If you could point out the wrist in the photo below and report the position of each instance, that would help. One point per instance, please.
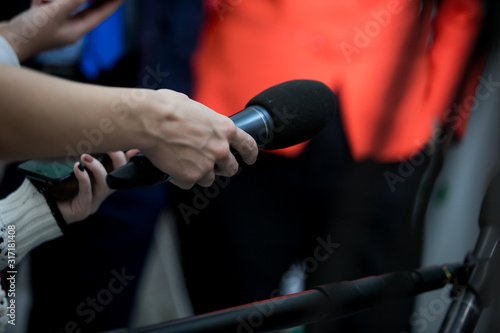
(17, 43)
(7, 54)
(113, 119)
(147, 119)
(28, 213)
(4, 30)
(52, 204)
(4, 26)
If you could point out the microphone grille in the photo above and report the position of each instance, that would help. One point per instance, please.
(299, 109)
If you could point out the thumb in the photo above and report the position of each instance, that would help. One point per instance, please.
(66, 7)
(35, 3)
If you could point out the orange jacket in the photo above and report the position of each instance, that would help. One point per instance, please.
(397, 66)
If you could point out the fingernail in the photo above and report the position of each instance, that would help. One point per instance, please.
(81, 166)
(87, 158)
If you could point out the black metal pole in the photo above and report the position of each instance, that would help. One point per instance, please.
(327, 302)
(265, 316)
(466, 309)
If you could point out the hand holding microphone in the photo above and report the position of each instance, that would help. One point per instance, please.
(192, 142)
(281, 116)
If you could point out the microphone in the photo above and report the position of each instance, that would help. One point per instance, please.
(281, 116)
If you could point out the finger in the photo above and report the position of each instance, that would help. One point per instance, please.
(207, 180)
(84, 196)
(76, 208)
(130, 153)
(118, 158)
(65, 7)
(182, 185)
(100, 187)
(91, 17)
(245, 145)
(227, 166)
(58, 10)
(35, 3)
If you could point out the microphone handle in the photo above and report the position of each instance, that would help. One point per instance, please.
(257, 122)
(140, 172)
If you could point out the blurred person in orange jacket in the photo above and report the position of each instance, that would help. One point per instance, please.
(341, 204)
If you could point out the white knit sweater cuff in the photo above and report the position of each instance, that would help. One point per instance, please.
(7, 54)
(27, 210)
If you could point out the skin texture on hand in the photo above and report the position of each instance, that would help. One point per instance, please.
(55, 24)
(192, 141)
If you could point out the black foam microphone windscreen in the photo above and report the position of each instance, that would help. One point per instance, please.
(299, 110)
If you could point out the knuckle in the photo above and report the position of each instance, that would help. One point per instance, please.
(193, 175)
(183, 185)
(247, 145)
(222, 151)
(183, 96)
(208, 180)
(233, 169)
(228, 127)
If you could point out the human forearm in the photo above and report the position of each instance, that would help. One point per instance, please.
(44, 116)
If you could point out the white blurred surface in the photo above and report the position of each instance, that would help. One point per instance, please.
(452, 215)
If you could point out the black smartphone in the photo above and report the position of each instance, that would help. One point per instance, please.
(47, 171)
(58, 174)
(53, 171)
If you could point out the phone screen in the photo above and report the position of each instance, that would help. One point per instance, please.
(50, 171)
